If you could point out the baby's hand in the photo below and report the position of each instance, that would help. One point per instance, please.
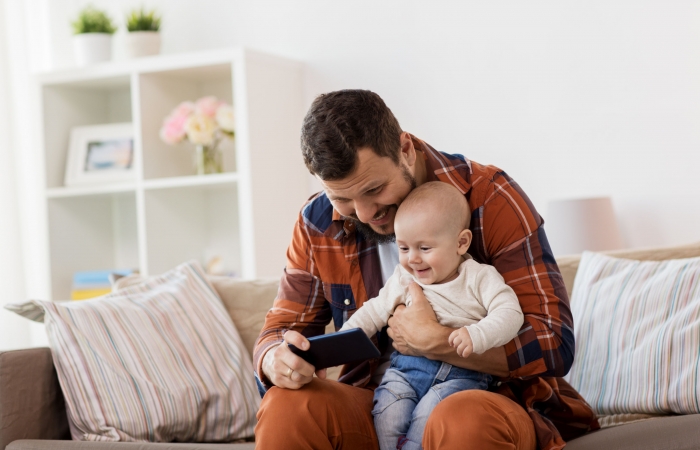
(462, 342)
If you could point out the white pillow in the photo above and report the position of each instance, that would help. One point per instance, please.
(637, 329)
(160, 361)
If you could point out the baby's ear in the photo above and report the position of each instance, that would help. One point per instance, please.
(464, 239)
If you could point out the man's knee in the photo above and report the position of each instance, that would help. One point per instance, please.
(482, 418)
(322, 414)
(289, 407)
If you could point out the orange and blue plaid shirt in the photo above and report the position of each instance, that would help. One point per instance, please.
(332, 270)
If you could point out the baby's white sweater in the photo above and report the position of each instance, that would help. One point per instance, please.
(478, 299)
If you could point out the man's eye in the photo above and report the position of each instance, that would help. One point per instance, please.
(376, 190)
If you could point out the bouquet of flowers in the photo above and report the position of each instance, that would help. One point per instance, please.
(204, 123)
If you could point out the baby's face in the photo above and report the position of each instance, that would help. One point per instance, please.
(427, 249)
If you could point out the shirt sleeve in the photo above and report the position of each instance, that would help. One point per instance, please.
(374, 313)
(515, 243)
(504, 316)
(300, 304)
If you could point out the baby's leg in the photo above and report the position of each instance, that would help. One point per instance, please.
(394, 401)
(425, 406)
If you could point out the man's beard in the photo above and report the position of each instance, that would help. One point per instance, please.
(367, 230)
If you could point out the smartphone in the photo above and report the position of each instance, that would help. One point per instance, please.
(336, 349)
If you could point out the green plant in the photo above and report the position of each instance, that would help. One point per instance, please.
(140, 20)
(92, 20)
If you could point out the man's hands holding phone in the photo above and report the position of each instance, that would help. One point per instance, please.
(285, 369)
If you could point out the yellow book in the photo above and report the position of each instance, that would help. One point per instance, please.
(85, 294)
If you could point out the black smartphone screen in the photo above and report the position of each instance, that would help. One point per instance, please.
(339, 348)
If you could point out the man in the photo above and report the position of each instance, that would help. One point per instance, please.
(342, 252)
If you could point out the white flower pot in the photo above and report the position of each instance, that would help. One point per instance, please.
(91, 48)
(141, 43)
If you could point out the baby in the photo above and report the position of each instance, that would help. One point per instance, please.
(432, 234)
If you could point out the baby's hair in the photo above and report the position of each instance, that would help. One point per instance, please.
(443, 199)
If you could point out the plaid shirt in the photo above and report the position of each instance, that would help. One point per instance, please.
(332, 270)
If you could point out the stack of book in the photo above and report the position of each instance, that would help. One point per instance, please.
(94, 283)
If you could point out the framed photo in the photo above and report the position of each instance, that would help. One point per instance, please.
(100, 154)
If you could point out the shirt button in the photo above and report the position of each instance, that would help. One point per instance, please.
(347, 301)
(355, 262)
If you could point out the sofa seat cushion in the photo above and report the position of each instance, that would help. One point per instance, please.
(33, 444)
(664, 433)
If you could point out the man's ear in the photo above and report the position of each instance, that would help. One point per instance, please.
(408, 152)
(465, 238)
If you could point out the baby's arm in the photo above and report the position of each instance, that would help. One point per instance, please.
(374, 313)
(504, 315)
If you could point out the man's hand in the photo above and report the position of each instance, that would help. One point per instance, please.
(285, 369)
(462, 342)
(415, 329)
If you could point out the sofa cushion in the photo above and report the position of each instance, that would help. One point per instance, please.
(638, 345)
(247, 302)
(664, 433)
(160, 361)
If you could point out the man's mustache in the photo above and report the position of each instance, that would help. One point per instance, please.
(378, 214)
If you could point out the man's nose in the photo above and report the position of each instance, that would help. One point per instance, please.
(365, 211)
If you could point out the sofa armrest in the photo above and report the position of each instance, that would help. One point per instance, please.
(31, 401)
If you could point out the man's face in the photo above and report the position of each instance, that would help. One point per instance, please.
(371, 194)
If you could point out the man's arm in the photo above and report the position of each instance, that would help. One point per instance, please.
(299, 311)
(516, 245)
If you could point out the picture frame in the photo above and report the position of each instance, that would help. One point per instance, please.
(100, 154)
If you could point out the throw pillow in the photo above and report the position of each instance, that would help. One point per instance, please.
(637, 335)
(159, 361)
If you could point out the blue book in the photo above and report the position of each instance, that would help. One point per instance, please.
(94, 278)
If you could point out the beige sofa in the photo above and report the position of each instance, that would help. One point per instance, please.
(32, 410)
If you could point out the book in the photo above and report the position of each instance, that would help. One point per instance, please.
(94, 283)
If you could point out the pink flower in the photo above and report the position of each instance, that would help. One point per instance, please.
(207, 106)
(173, 129)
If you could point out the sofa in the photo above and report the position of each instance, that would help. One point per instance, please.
(33, 416)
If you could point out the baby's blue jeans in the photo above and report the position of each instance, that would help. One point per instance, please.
(410, 389)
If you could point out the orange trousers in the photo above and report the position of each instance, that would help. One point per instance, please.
(330, 415)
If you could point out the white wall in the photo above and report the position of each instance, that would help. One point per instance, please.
(17, 58)
(571, 99)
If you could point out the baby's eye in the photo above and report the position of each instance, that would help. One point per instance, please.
(425, 249)
(403, 249)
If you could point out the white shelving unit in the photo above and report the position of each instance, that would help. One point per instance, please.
(168, 215)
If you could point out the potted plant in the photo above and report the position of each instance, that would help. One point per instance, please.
(92, 40)
(143, 37)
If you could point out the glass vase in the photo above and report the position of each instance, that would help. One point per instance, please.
(208, 160)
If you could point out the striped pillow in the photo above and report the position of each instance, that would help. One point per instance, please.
(160, 361)
(637, 335)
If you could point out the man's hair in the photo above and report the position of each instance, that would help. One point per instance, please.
(442, 200)
(340, 123)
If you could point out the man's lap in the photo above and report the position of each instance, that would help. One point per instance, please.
(328, 414)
